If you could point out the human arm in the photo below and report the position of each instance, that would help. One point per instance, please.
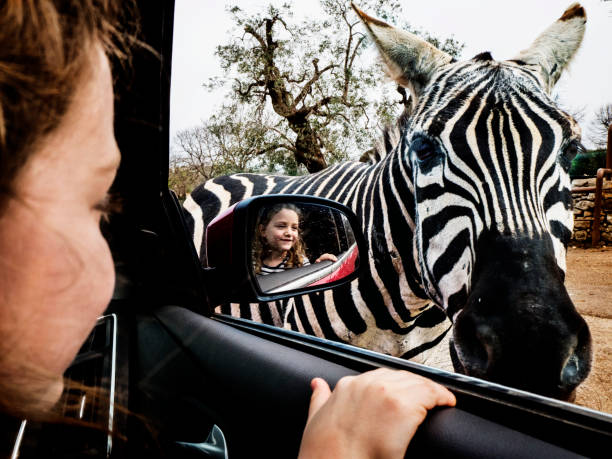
(375, 414)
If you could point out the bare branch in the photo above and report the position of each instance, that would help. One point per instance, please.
(365, 113)
(316, 106)
(349, 65)
(307, 87)
(280, 133)
(354, 54)
(274, 146)
(247, 92)
(282, 21)
(251, 31)
(329, 117)
(599, 125)
(300, 79)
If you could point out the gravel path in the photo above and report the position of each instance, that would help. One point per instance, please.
(589, 282)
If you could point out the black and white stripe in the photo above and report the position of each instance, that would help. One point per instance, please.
(481, 186)
(388, 296)
(476, 187)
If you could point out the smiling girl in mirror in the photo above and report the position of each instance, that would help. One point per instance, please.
(278, 244)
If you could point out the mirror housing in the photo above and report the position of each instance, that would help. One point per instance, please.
(230, 268)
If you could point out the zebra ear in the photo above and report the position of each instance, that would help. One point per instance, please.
(410, 61)
(555, 47)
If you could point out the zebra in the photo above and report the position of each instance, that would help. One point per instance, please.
(466, 220)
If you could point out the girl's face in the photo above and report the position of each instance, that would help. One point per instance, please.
(56, 272)
(282, 230)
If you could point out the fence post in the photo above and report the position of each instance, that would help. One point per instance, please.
(609, 148)
(601, 174)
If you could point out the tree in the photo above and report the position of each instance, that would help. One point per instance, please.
(599, 126)
(308, 79)
(233, 140)
(182, 178)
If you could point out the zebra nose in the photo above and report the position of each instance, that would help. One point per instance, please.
(578, 363)
(570, 372)
(489, 342)
(478, 346)
(525, 356)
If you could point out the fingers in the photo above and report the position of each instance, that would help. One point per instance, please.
(432, 394)
(326, 256)
(444, 396)
(401, 387)
(429, 393)
(320, 394)
(374, 414)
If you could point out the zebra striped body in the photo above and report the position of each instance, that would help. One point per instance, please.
(466, 219)
(386, 308)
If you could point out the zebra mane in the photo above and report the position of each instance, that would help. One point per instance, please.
(389, 139)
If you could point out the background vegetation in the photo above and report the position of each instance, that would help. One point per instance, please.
(301, 95)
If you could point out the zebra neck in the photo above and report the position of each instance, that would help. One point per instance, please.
(383, 200)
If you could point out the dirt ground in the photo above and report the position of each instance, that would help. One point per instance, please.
(589, 283)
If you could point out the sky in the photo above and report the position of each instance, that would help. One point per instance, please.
(501, 27)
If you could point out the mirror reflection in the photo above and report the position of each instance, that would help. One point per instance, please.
(423, 225)
(301, 245)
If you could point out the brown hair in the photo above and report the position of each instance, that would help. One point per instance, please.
(45, 47)
(261, 249)
(45, 52)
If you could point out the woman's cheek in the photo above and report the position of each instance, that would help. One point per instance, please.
(88, 298)
(101, 273)
(96, 278)
(59, 300)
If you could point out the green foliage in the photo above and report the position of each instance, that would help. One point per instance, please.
(182, 178)
(586, 164)
(233, 140)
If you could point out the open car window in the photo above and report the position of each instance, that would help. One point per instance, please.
(215, 112)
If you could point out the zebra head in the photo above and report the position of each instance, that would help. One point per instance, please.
(488, 153)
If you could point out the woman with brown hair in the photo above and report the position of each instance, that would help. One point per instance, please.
(58, 158)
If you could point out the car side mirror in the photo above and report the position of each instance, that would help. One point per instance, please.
(275, 246)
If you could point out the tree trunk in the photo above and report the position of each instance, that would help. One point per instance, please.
(307, 147)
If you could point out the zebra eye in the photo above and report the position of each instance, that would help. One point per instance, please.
(570, 152)
(423, 148)
(574, 148)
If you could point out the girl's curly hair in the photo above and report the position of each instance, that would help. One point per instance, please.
(261, 249)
